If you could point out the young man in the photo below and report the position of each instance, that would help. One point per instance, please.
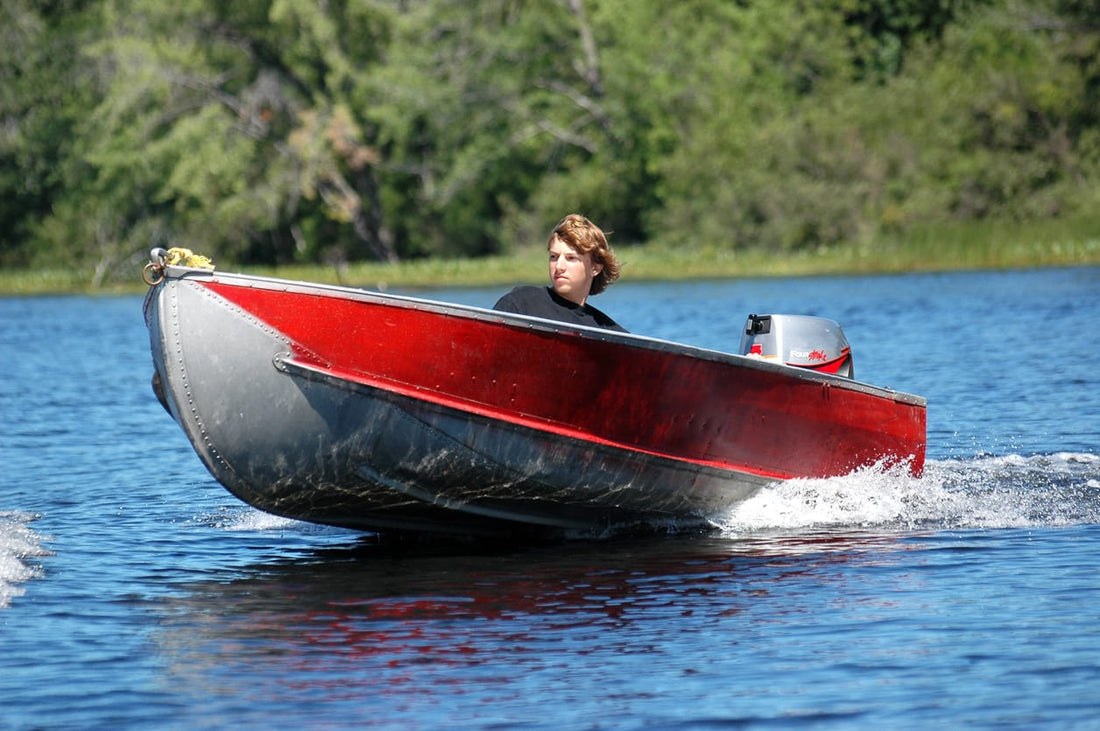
(581, 264)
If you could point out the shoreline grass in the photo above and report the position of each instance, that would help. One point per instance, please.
(982, 245)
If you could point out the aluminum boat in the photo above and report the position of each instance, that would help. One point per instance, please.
(401, 415)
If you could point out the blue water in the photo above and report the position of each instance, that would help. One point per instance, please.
(136, 592)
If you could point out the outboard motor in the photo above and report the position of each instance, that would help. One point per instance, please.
(798, 340)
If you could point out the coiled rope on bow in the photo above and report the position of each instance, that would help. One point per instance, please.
(153, 273)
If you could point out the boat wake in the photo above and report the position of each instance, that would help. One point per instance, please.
(1010, 491)
(19, 547)
(982, 492)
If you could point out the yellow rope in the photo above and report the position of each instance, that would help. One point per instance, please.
(180, 257)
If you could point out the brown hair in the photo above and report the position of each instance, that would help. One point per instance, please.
(585, 237)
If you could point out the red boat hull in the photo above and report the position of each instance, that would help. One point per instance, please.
(492, 415)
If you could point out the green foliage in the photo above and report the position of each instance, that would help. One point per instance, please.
(290, 131)
(44, 91)
(883, 32)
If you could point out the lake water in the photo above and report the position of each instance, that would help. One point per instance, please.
(136, 592)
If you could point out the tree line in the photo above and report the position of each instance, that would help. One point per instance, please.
(285, 131)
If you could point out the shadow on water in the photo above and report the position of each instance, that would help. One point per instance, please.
(404, 609)
(406, 580)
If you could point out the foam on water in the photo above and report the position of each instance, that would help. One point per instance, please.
(983, 492)
(19, 546)
(244, 518)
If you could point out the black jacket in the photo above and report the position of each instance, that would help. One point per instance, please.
(544, 302)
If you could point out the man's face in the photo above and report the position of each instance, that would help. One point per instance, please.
(571, 272)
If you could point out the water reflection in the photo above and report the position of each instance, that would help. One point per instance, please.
(401, 621)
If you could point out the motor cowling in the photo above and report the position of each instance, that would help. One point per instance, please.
(801, 341)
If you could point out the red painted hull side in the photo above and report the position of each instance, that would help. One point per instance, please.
(636, 394)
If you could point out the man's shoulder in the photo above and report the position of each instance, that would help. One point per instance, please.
(604, 321)
(530, 291)
(545, 303)
(521, 298)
